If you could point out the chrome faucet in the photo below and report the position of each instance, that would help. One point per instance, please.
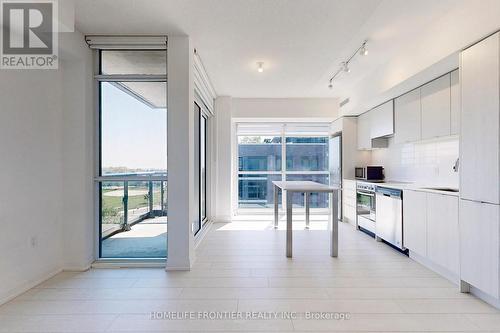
(456, 165)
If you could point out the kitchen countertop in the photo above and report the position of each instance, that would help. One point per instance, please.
(413, 187)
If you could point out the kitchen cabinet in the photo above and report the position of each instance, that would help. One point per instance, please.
(436, 110)
(442, 231)
(415, 221)
(382, 120)
(480, 121)
(480, 245)
(349, 201)
(454, 103)
(364, 132)
(407, 117)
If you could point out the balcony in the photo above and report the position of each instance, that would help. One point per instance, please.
(133, 215)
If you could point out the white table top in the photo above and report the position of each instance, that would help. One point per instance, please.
(304, 186)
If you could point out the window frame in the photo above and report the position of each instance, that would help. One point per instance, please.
(98, 177)
(283, 172)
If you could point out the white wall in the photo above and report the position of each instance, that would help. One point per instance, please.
(307, 109)
(40, 110)
(427, 162)
(228, 110)
(30, 174)
(223, 106)
(77, 152)
(180, 163)
(422, 54)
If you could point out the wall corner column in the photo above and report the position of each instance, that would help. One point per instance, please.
(180, 158)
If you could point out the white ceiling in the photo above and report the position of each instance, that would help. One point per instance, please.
(297, 39)
(302, 42)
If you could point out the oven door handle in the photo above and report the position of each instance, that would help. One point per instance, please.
(366, 193)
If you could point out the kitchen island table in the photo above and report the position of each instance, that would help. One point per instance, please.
(307, 187)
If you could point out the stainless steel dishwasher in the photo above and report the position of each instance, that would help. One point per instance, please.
(389, 218)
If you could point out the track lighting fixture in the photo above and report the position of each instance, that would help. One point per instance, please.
(363, 50)
(344, 65)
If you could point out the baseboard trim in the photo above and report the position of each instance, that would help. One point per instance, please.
(13, 293)
(485, 297)
(202, 233)
(177, 268)
(450, 276)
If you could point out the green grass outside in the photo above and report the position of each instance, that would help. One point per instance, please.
(112, 206)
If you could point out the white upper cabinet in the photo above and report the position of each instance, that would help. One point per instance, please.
(480, 121)
(364, 132)
(454, 103)
(407, 117)
(382, 120)
(415, 222)
(436, 114)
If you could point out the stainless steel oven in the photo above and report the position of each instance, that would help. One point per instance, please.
(366, 206)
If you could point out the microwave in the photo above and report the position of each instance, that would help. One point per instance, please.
(370, 173)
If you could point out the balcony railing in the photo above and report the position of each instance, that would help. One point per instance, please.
(127, 199)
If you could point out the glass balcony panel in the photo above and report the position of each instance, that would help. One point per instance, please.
(256, 190)
(317, 200)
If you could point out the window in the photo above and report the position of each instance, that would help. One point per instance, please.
(201, 126)
(132, 180)
(273, 152)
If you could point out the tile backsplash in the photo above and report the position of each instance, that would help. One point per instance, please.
(428, 162)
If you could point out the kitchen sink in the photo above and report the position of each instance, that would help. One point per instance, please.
(446, 189)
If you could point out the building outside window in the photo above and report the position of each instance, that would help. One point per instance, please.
(297, 154)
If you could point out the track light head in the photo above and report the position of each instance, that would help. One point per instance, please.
(363, 50)
(330, 85)
(345, 67)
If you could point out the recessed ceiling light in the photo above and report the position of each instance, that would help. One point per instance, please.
(260, 66)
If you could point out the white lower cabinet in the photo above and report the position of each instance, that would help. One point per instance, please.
(480, 245)
(415, 222)
(430, 229)
(349, 201)
(442, 231)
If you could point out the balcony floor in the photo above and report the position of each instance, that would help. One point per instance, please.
(147, 239)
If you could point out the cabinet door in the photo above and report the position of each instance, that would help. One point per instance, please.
(454, 103)
(436, 108)
(382, 120)
(415, 222)
(479, 245)
(364, 135)
(442, 231)
(407, 117)
(480, 121)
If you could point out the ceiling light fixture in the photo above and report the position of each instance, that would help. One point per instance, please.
(344, 65)
(363, 50)
(260, 66)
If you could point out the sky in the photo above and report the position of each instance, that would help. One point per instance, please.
(133, 134)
